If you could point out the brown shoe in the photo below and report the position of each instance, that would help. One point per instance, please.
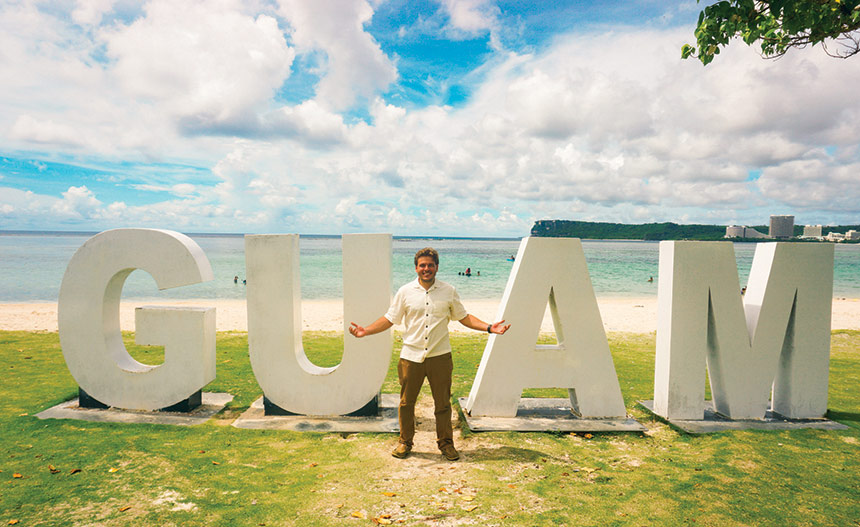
(450, 452)
(401, 451)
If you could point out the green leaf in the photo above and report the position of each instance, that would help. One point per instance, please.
(687, 50)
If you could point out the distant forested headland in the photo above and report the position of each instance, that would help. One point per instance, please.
(623, 231)
(649, 231)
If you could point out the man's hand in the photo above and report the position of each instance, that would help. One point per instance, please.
(378, 326)
(473, 322)
(499, 328)
(356, 330)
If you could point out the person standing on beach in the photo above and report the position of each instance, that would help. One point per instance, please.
(425, 306)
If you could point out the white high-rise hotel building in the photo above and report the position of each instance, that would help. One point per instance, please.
(781, 227)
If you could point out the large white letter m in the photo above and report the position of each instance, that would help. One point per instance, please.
(774, 339)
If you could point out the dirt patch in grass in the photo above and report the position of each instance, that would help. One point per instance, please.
(427, 489)
(174, 501)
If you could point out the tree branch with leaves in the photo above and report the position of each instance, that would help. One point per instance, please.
(778, 25)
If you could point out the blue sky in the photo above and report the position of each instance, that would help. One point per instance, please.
(438, 117)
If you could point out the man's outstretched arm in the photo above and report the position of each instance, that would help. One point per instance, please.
(378, 326)
(473, 322)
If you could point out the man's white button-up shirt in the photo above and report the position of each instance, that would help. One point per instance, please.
(425, 313)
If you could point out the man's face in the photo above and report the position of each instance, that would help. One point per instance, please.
(426, 269)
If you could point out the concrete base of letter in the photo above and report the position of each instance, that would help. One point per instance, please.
(714, 422)
(211, 404)
(547, 414)
(386, 421)
(185, 405)
(371, 409)
(86, 400)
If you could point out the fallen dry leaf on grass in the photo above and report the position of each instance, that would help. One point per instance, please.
(215, 463)
(358, 514)
(74, 471)
(12, 522)
(113, 469)
(124, 508)
(17, 476)
(313, 464)
(389, 494)
(468, 498)
(470, 509)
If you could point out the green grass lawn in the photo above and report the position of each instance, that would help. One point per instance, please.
(64, 472)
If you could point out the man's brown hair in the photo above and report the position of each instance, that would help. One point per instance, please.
(427, 251)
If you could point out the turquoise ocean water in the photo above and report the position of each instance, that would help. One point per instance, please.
(32, 267)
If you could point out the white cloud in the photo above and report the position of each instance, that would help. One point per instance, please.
(817, 183)
(28, 128)
(356, 67)
(90, 12)
(77, 202)
(399, 221)
(57, 93)
(179, 189)
(208, 64)
(307, 122)
(472, 17)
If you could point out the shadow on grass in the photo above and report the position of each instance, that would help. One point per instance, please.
(835, 415)
(506, 453)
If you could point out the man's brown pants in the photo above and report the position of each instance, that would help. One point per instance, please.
(438, 371)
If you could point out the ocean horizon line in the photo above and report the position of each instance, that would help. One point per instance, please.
(16, 232)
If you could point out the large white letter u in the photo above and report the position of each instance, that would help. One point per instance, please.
(286, 375)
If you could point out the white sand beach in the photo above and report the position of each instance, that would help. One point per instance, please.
(630, 315)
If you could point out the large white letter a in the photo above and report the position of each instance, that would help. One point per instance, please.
(554, 269)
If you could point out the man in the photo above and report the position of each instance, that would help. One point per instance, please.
(425, 306)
